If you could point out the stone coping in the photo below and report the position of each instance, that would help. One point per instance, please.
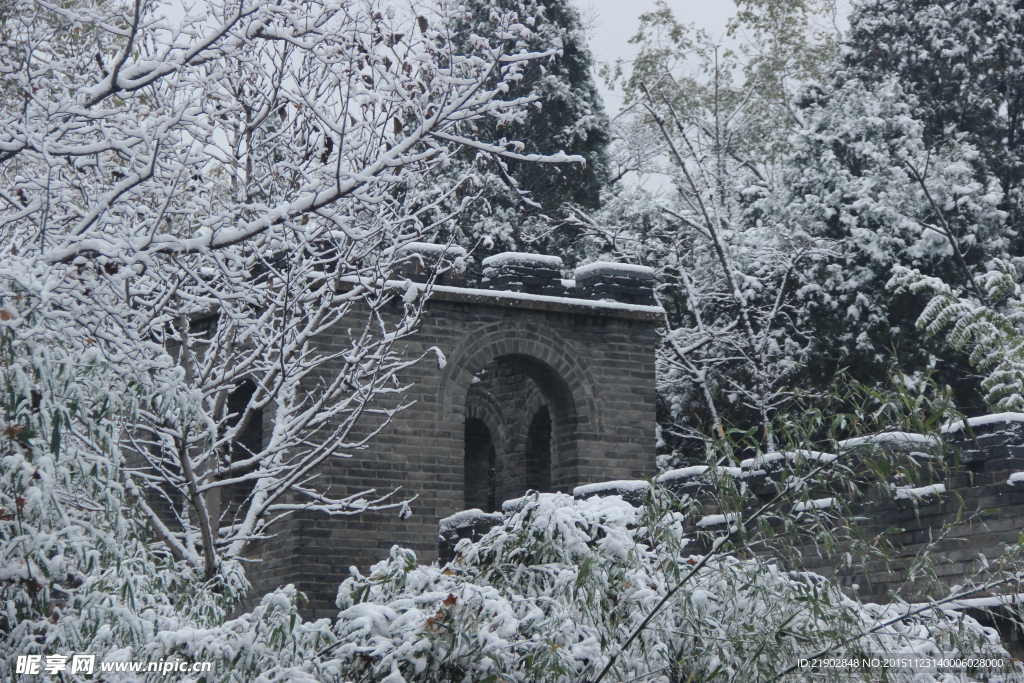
(522, 300)
(542, 302)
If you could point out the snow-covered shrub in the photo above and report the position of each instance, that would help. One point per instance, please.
(564, 585)
(271, 643)
(77, 570)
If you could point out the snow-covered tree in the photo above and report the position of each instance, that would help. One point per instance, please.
(717, 123)
(79, 569)
(728, 280)
(864, 175)
(198, 201)
(783, 44)
(520, 206)
(958, 69)
(963, 62)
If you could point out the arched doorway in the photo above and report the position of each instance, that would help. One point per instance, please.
(479, 466)
(536, 447)
(538, 452)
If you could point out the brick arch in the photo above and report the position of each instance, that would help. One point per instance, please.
(496, 340)
(568, 384)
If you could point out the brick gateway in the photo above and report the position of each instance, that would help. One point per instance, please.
(548, 384)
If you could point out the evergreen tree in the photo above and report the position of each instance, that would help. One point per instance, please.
(963, 61)
(910, 157)
(865, 176)
(520, 206)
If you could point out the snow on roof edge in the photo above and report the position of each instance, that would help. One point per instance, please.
(628, 485)
(775, 456)
(881, 437)
(714, 520)
(816, 504)
(431, 248)
(909, 493)
(469, 517)
(523, 296)
(681, 473)
(517, 296)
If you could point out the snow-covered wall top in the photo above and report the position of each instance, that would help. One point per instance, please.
(467, 518)
(988, 425)
(538, 277)
(899, 440)
(611, 268)
(515, 258)
(426, 248)
(620, 487)
(540, 274)
(976, 507)
(983, 420)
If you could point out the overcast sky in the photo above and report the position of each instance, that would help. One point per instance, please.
(616, 21)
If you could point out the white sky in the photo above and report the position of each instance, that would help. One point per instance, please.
(618, 20)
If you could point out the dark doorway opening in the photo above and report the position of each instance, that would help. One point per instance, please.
(250, 439)
(479, 466)
(248, 443)
(538, 452)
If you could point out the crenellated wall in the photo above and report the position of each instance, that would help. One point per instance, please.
(975, 508)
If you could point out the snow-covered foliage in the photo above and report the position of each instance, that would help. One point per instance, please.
(783, 45)
(819, 169)
(188, 206)
(734, 336)
(963, 61)
(991, 329)
(716, 126)
(554, 593)
(557, 591)
(79, 571)
(199, 201)
(908, 155)
(863, 176)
